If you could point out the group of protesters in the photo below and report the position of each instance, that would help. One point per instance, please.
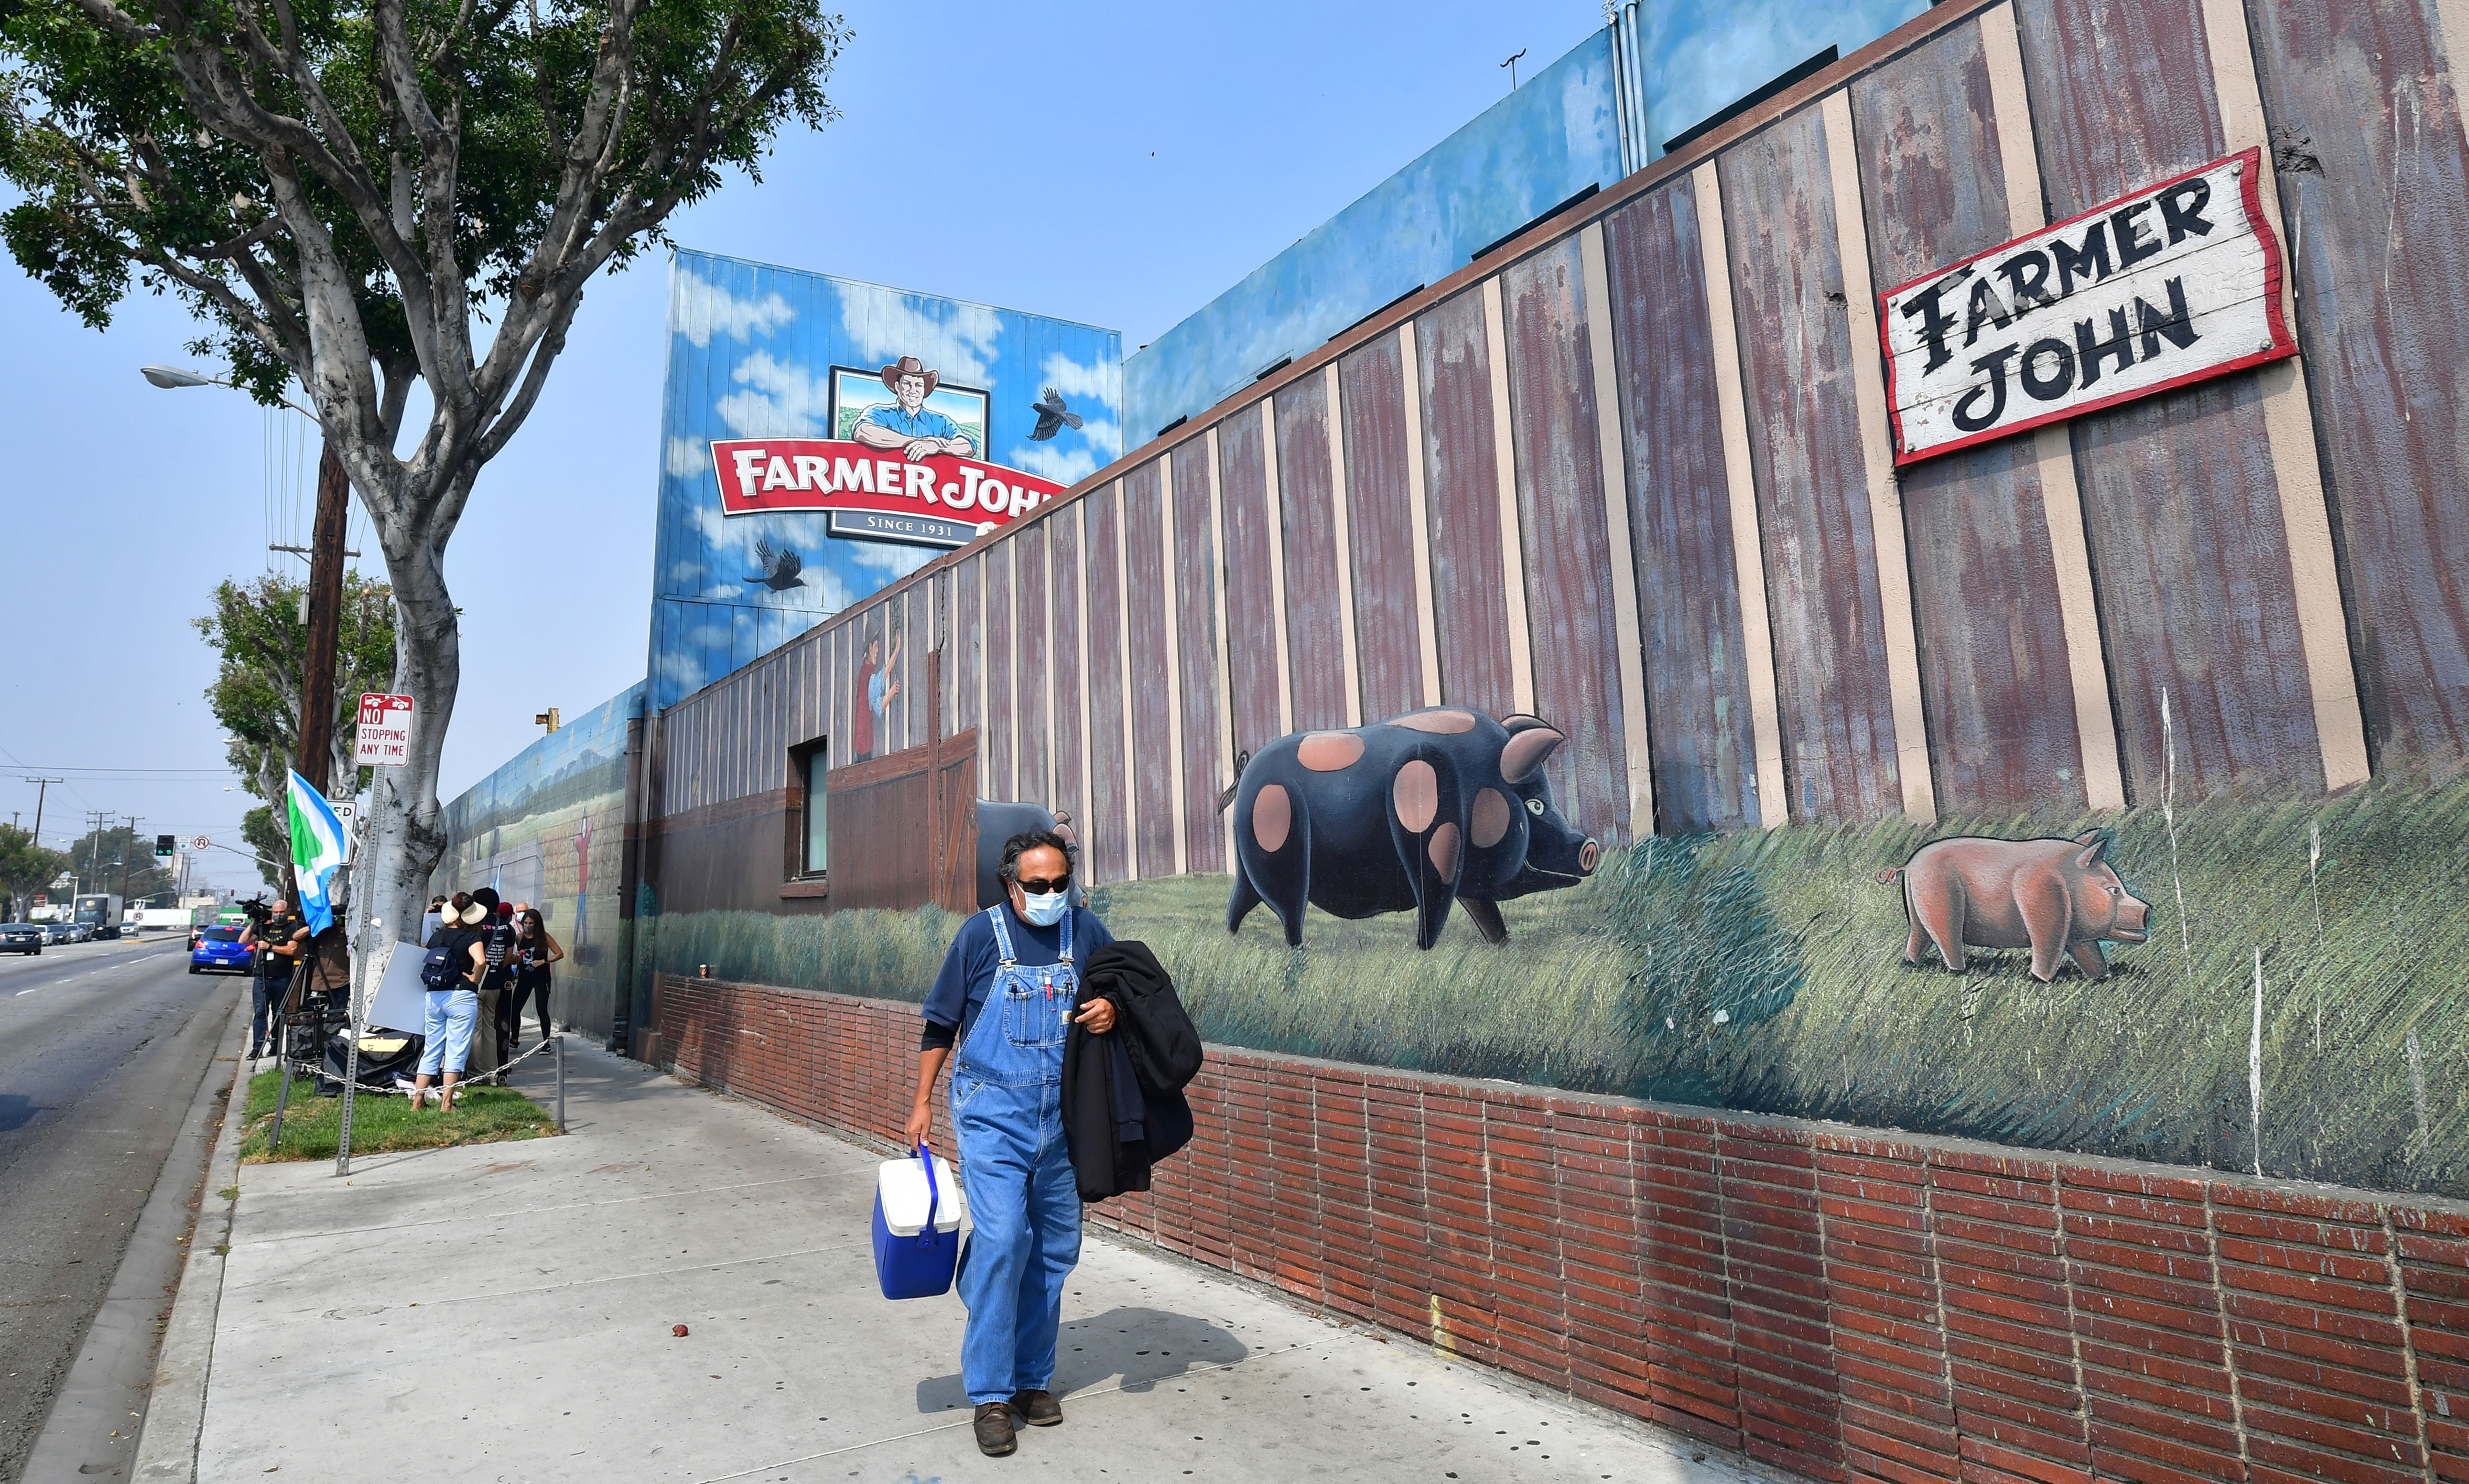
(492, 959)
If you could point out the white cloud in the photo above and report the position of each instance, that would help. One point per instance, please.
(682, 670)
(700, 308)
(1098, 381)
(687, 458)
(898, 561)
(1064, 466)
(885, 325)
(780, 399)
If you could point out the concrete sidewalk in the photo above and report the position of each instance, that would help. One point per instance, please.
(503, 1312)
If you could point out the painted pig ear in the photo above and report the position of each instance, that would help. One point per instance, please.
(1526, 750)
(2090, 855)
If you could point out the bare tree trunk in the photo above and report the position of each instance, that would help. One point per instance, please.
(408, 832)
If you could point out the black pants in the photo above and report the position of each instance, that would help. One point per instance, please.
(534, 988)
(265, 1000)
(509, 1012)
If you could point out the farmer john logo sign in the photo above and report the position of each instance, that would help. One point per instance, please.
(2174, 284)
(901, 467)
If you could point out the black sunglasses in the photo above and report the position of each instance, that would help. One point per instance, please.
(1062, 883)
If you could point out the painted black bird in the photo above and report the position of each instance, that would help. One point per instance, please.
(781, 568)
(1052, 415)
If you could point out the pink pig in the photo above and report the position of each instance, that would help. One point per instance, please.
(2053, 896)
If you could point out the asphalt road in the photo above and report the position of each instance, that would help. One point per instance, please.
(102, 1048)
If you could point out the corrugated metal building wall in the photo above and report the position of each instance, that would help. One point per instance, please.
(1632, 473)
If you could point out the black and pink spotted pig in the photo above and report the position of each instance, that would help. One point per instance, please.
(1410, 814)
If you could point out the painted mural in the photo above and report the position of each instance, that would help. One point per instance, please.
(1556, 136)
(1697, 56)
(1427, 810)
(2100, 787)
(1593, 115)
(876, 688)
(823, 438)
(548, 828)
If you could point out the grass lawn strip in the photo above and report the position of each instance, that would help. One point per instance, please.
(383, 1122)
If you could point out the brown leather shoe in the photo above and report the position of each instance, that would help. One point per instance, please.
(1037, 1408)
(994, 1429)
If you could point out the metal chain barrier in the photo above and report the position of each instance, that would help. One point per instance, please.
(315, 1071)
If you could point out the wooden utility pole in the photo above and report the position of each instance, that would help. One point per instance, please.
(325, 621)
(315, 757)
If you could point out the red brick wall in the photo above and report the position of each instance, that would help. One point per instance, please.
(1842, 1303)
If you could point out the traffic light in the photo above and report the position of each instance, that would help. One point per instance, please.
(164, 844)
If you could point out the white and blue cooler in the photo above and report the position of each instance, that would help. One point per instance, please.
(919, 1217)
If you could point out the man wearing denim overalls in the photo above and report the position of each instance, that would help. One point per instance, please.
(1006, 997)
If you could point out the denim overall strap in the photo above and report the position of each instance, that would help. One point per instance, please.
(1003, 937)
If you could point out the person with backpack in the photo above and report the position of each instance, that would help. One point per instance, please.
(450, 976)
(535, 950)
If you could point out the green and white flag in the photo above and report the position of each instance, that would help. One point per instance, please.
(318, 850)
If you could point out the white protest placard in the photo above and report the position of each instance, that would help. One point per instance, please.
(385, 737)
(401, 1000)
(2177, 283)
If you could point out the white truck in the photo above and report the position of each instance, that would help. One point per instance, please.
(100, 911)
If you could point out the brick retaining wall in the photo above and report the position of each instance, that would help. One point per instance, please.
(1840, 1302)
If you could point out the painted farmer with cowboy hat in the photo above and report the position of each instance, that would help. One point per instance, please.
(906, 423)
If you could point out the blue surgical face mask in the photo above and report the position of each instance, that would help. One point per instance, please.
(1044, 909)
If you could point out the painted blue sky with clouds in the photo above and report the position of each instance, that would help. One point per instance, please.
(1702, 55)
(750, 350)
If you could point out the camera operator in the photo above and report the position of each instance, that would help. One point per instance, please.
(279, 935)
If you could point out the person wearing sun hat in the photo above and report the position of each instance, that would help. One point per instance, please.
(453, 1008)
(907, 423)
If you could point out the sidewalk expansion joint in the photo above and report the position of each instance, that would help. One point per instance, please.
(588, 1283)
(513, 1210)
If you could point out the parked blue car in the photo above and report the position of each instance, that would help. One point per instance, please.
(219, 949)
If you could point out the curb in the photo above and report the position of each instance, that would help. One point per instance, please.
(175, 1409)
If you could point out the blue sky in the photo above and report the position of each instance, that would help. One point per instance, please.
(1125, 164)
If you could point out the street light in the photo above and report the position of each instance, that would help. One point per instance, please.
(173, 379)
(325, 598)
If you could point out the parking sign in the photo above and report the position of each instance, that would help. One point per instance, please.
(385, 736)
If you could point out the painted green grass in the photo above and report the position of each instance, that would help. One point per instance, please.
(1761, 971)
(870, 951)
(313, 1125)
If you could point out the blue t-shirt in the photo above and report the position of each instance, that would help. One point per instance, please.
(926, 423)
(969, 968)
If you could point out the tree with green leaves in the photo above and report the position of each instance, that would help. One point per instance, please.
(271, 843)
(25, 868)
(116, 859)
(255, 629)
(349, 193)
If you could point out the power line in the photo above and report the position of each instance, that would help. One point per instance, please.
(64, 767)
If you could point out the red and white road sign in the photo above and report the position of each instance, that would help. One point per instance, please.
(384, 738)
(201, 843)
